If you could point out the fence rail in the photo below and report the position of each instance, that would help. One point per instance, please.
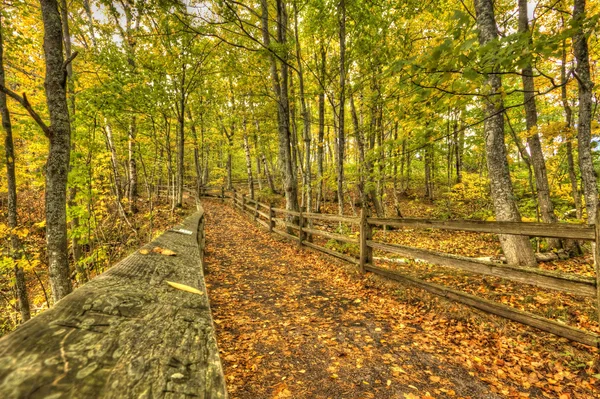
(302, 223)
(126, 333)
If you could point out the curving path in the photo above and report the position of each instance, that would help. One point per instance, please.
(292, 323)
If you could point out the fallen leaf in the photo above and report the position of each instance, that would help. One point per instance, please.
(168, 252)
(184, 287)
(144, 251)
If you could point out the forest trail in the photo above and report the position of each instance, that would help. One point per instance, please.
(292, 324)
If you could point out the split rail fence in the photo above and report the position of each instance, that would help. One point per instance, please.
(283, 222)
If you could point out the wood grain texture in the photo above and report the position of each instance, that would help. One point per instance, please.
(570, 283)
(557, 230)
(125, 334)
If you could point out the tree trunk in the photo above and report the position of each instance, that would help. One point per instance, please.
(268, 174)
(533, 139)
(569, 124)
(428, 183)
(181, 136)
(133, 175)
(88, 13)
(586, 165)
(280, 89)
(360, 144)
(248, 162)
(459, 138)
(370, 188)
(296, 166)
(11, 180)
(114, 161)
(341, 112)
(306, 136)
(229, 163)
(257, 153)
(321, 137)
(197, 160)
(71, 96)
(395, 154)
(57, 165)
(517, 249)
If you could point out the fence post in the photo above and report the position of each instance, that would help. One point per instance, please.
(270, 218)
(222, 194)
(243, 203)
(300, 225)
(366, 252)
(202, 241)
(255, 209)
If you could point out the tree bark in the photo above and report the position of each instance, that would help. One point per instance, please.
(133, 175)
(71, 97)
(533, 138)
(181, 137)
(248, 162)
(57, 165)
(21, 288)
(517, 249)
(569, 124)
(291, 187)
(88, 13)
(257, 153)
(341, 142)
(360, 144)
(370, 188)
(114, 161)
(306, 121)
(268, 174)
(280, 89)
(321, 136)
(197, 160)
(582, 70)
(428, 158)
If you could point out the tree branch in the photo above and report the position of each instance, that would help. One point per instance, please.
(70, 59)
(25, 103)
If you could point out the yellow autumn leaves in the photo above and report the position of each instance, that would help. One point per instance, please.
(158, 250)
(168, 252)
(184, 287)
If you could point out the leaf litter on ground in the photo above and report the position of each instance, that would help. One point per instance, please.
(292, 316)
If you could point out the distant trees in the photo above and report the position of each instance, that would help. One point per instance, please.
(11, 180)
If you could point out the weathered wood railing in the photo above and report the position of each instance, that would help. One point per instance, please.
(127, 333)
(563, 282)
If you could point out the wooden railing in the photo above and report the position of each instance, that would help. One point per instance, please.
(127, 333)
(299, 227)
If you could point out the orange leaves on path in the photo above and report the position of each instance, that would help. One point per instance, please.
(293, 323)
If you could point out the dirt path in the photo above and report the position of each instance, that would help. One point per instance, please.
(293, 324)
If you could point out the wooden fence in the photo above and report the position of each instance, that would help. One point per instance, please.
(284, 222)
(126, 333)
